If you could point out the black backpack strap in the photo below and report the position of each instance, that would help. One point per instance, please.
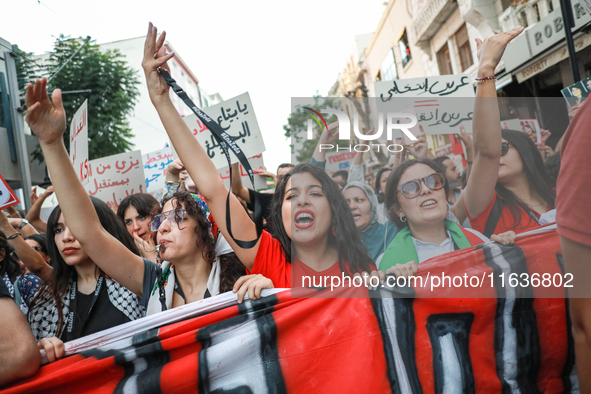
(225, 142)
(494, 217)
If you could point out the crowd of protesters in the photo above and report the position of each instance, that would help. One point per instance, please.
(88, 269)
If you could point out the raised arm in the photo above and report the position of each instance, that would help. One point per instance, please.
(486, 124)
(237, 187)
(327, 137)
(200, 167)
(33, 216)
(29, 256)
(48, 122)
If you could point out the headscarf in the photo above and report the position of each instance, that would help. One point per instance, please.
(371, 196)
(376, 236)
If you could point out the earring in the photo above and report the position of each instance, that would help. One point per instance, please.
(334, 232)
(402, 218)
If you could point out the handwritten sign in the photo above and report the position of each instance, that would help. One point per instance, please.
(79, 142)
(336, 161)
(236, 116)
(115, 177)
(155, 164)
(441, 103)
(256, 163)
(438, 86)
(8, 198)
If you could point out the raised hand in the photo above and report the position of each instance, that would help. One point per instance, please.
(47, 120)
(155, 56)
(545, 135)
(464, 136)
(327, 137)
(491, 50)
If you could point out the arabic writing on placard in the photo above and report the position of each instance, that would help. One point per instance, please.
(79, 143)
(428, 86)
(115, 177)
(155, 164)
(237, 118)
(429, 114)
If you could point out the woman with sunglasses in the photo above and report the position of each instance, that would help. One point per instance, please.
(508, 187)
(417, 203)
(309, 213)
(184, 241)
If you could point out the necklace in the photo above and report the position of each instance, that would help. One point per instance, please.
(89, 287)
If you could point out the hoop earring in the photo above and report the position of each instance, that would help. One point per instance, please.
(402, 218)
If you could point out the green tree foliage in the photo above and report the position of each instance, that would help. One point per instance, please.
(112, 97)
(297, 127)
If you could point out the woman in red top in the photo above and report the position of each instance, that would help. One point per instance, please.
(308, 206)
(511, 190)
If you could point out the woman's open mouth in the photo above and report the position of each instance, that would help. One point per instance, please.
(428, 203)
(304, 219)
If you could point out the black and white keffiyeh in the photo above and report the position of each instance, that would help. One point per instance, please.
(43, 320)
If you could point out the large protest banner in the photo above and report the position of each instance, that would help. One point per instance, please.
(505, 341)
(256, 163)
(236, 116)
(441, 102)
(155, 164)
(79, 143)
(115, 177)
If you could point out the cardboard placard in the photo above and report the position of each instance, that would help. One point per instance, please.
(155, 164)
(236, 116)
(256, 163)
(115, 177)
(79, 143)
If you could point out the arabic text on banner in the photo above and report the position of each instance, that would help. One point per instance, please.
(79, 143)
(115, 177)
(155, 164)
(236, 116)
(441, 103)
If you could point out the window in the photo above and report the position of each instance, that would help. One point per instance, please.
(550, 6)
(523, 19)
(404, 49)
(463, 43)
(444, 61)
(389, 72)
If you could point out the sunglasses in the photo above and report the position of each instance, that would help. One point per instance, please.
(504, 148)
(173, 216)
(413, 188)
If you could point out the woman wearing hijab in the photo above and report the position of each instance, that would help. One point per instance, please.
(374, 235)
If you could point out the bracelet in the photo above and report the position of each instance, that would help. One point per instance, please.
(485, 79)
(13, 236)
(469, 162)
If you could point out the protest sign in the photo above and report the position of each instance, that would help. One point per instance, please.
(155, 168)
(236, 116)
(115, 177)
(8, 198)
(577, 92)
(256, 163)
(79, 143)
(531, 127)
(336, 161)
(441, 103)
(511, 124)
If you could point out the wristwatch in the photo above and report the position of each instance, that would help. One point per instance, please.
(24, 222)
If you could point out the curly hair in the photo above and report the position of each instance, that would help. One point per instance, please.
(392, 204)
(231, 267)
(63, 274)
(8, 265)
(347, 240)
